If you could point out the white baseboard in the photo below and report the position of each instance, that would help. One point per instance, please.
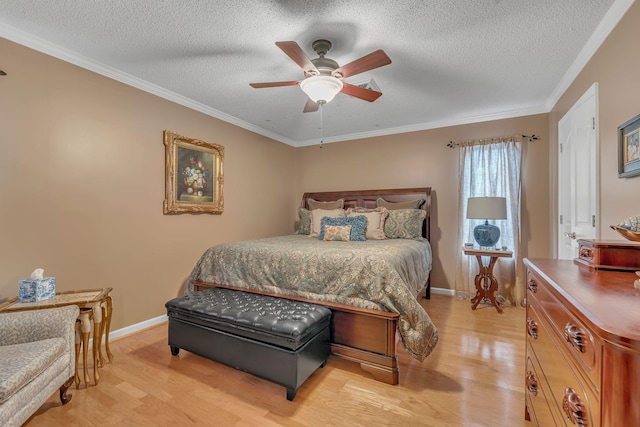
(127, 330)
(443, 291)
(138, 326)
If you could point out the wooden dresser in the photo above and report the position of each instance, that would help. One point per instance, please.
(583, 345)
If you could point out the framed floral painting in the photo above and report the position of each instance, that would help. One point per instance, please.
(193, 175)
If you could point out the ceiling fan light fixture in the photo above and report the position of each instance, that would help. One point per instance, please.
(321, 89)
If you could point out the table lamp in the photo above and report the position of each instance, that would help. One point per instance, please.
(487, 208)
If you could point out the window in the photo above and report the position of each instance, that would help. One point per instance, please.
(491, 168)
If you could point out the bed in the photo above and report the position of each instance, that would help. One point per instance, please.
(372, 287)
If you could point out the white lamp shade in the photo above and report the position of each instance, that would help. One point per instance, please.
(487, 208)
(321, 88)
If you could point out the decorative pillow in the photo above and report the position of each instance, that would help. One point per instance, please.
(357, 223)
(337, 233)
(318, 214)
(305, 221)
(375, 221)
(409, 204)
(336, 204)
(404, 224)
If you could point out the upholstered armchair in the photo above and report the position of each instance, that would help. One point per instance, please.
(37, 350)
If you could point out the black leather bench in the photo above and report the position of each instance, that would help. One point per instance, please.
(280, 340)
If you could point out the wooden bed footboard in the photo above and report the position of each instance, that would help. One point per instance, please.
(358, 334)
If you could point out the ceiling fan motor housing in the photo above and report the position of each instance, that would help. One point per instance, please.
(321, 47)
(325, 66)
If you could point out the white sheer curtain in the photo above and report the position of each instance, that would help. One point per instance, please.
(491, 168)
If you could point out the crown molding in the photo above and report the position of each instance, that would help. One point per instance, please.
(486, 117)
(18, 36)
(602, 31)
(609, 22)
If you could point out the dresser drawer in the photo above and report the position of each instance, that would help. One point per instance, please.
(573, 399)
(538, 396)
(578, 341)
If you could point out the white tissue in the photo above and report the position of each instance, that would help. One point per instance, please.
(37, 274)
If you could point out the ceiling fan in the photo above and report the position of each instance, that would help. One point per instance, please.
(323, 76)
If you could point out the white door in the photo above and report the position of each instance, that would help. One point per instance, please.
(577, 174)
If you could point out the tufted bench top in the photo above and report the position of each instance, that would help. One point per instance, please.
(278, 321)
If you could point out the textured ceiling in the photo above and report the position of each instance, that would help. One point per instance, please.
(454, 61)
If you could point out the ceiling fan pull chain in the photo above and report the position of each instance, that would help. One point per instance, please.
(321, 130)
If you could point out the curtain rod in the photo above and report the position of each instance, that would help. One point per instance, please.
(529, 138)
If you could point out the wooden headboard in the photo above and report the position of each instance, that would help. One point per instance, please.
(367, 199)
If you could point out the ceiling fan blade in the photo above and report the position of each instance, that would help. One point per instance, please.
(293, 51)
(368, 62)
(360, 92)
(274, 84)
(310, 106)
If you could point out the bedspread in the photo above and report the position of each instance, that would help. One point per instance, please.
(376, 274)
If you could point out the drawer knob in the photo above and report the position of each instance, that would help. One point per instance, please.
(574, 336)
(532, 328)
(574, 407)
(532, 285)
(586, 253)
(532, 383)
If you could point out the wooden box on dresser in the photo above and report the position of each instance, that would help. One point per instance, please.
(583, 345)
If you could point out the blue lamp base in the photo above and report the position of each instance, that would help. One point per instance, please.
(486, 235)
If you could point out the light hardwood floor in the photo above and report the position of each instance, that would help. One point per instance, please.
(474, 377)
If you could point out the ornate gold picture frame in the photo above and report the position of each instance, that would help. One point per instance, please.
(193, 175)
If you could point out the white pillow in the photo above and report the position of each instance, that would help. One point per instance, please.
(318, 214)
(375, 221)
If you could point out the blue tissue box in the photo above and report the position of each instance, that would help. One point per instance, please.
(34, 290)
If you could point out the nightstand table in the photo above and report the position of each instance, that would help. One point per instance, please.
(95, 313)
(486, 283)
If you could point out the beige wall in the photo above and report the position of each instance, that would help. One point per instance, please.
(420, 159)
(616, 69)
(82, 185)
(82, 176)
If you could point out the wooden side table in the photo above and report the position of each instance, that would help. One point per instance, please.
(95, 310)
(486, 283)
